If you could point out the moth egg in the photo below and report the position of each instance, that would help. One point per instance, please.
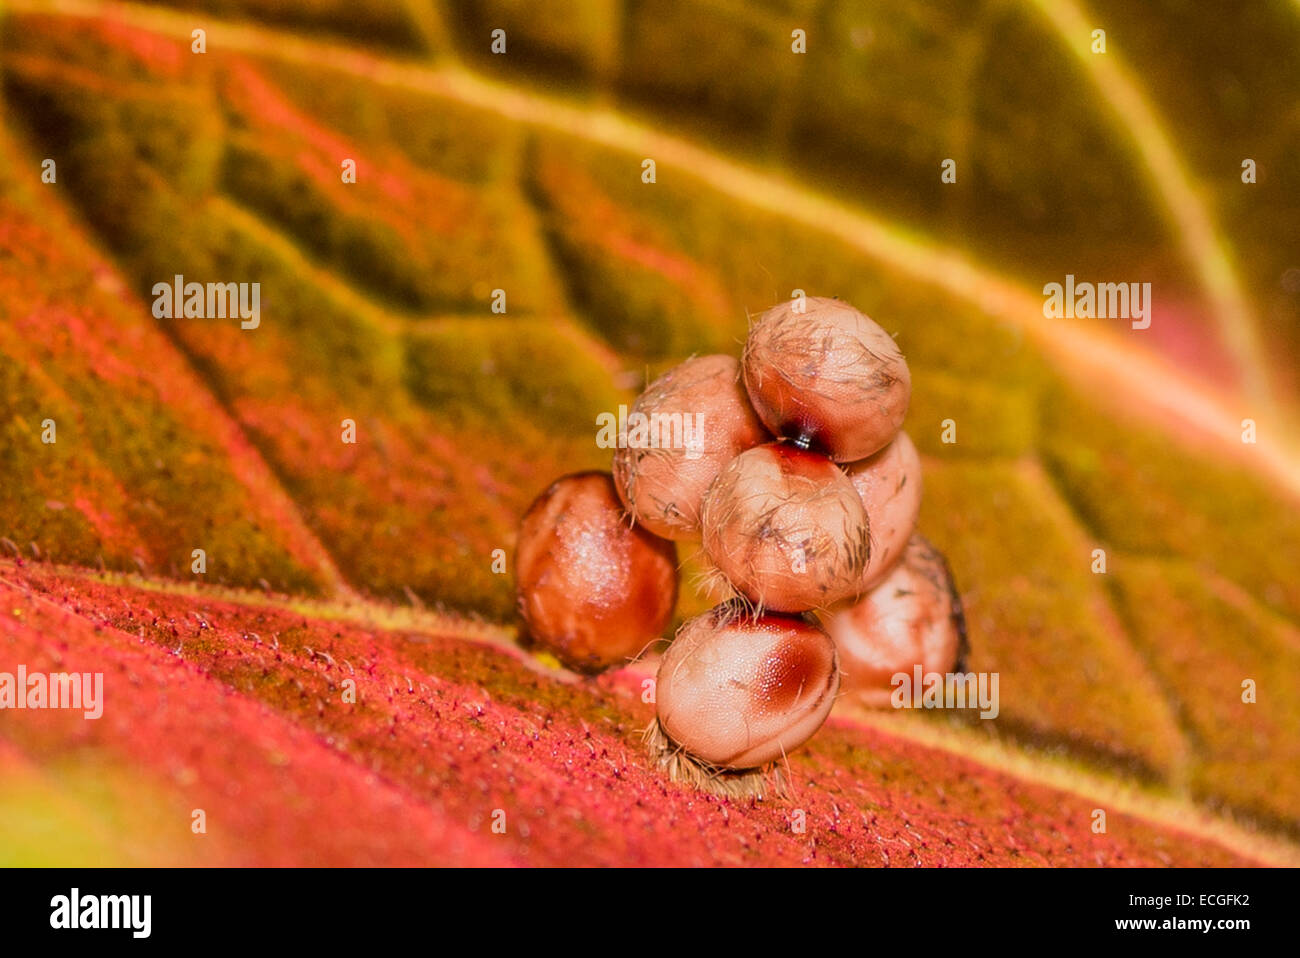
(889, 484)
(786, 529)
(914, 617)
(736, 691)
(828, 377)
(591, 588)
(687, 425)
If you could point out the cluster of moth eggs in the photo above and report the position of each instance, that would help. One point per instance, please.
(803, 492)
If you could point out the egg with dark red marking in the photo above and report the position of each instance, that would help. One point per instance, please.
(827, 377)
(786, 529)
(736, 691)
(592, 588)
